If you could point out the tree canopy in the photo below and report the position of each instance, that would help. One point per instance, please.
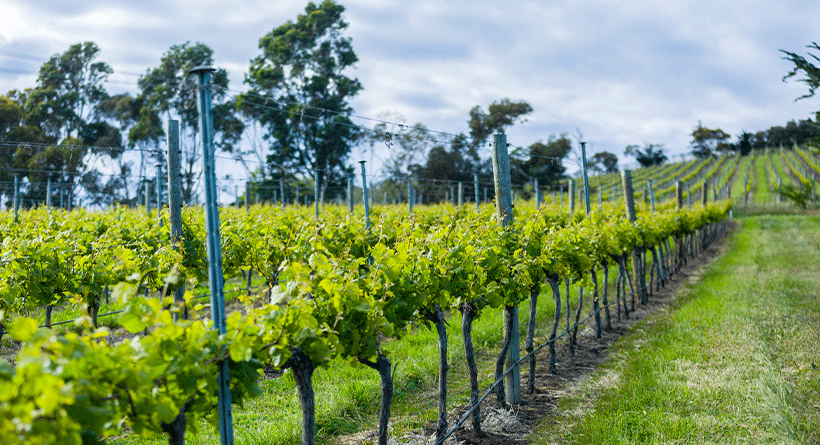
(649, 155)
(802, 66)
(603, 162)
(168, 90)
(501, 114)
(706, 141)
(300, 92)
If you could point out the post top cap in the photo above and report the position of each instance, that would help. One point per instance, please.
(201, 69)
(362, 162)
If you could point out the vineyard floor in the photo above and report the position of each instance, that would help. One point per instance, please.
(544, 407)
(730, 358)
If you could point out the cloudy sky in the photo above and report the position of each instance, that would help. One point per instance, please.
(620, 73)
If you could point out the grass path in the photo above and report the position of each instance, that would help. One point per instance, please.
(734, 360)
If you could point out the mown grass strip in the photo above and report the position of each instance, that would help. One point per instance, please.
(734, 360)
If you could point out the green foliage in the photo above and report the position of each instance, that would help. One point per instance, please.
(807, 68)
(500, 115)
(169, 90)
(604, 162)
(69, 91)
(542, 161)
(300, 92)
(744, 143)
(334, 293)
(652, 154)
(800, 195)
(706, 141)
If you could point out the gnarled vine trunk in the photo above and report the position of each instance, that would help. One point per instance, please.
(176, 428)
(303, 369)
(49, 310)
(573, 338)
(383, 366)
(528, 343)
(607, 317)
(502, 356)
(596, 305)
(467, 317)
(438, 319)
(556, 295)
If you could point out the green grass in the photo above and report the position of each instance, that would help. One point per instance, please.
(733, 361)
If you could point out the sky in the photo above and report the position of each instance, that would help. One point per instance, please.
(612, 73)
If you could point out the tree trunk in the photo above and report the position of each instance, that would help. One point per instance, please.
(629, 282)
(467, 317)
(574, 337)
(652, 271)
(607, 317)
(499, 362)
(556, 295)
(176, 429)
(596, 306)
(303, 369)
(566, 288)
(640, 278)
(49, 309)
(441, 329)
(656, 266)
(618, 288)
(93, 310)
(384, 368)
(664, 271)
(528, 343)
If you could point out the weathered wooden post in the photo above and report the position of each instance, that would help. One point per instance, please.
(629, 198)
(147, 197)
(410, 197)
(460, 194)
(586, 177)
(16, 196)
(365, 197)
(704, 197)
(175, 199)
(350, 193)
(316, 192)
(159, 194)
(537, 194)
(475, 186)
(503, 199)
(282, 191)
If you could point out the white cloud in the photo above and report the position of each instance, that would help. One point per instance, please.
(622, 72)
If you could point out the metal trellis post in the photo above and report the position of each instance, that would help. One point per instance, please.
(216, 280)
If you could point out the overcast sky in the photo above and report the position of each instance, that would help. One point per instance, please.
(621, 73)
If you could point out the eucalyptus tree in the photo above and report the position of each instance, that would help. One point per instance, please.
(653, 154)
(299, 92)
(806, 68)
(70, 88)
(167, 91)
(65, 105)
